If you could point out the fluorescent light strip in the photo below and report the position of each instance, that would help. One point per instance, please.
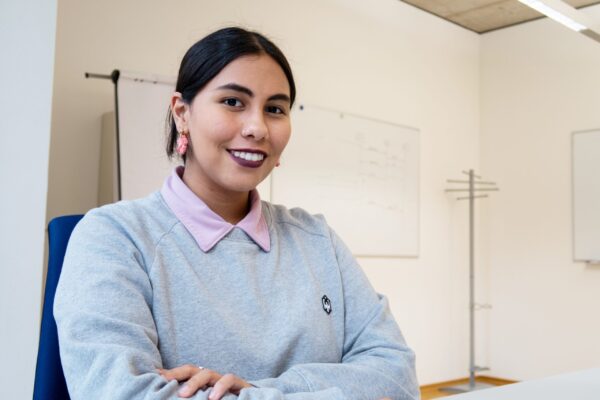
(554, 14)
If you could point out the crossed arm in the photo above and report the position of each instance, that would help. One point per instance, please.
(198, 378)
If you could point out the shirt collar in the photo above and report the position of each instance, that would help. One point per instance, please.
(206, 226)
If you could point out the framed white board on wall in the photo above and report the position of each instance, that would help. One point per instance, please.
(361, 174)
(586, 196)
(143, 101)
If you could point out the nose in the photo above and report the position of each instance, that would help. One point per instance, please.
(255, 127)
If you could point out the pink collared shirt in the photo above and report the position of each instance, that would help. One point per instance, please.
(206, 226)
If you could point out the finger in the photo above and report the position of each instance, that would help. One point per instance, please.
(182, 373)
(227, 383)
(201, 379)
(222, 386)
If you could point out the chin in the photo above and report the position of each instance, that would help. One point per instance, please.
(243, 186)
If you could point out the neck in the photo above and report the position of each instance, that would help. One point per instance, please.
(231, 206)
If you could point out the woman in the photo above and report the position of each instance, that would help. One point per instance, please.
(201, 290)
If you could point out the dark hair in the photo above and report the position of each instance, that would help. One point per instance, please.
(207, 57)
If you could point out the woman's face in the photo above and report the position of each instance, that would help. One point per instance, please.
(239, 124)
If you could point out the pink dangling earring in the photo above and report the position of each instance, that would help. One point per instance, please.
(182, 143)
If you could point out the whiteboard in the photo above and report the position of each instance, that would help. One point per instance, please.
(361, 173)
(143, 102)
(586, 195)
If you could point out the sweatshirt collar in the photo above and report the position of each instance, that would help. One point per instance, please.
(206, 226)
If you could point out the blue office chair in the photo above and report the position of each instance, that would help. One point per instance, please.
(49, 378)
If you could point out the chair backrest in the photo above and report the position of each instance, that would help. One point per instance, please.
(49, 378)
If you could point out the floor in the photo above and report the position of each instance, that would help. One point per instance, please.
(433, 391)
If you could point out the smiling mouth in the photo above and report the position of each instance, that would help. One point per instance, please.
(248, 158)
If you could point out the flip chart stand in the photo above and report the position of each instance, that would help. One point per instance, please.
(114, 77)
(473, 189)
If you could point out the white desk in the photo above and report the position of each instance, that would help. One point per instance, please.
(581, 385)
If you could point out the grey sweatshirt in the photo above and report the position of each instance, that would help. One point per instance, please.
(299, 322)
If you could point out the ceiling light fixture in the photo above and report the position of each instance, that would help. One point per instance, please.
(560, 12)
(565, 14)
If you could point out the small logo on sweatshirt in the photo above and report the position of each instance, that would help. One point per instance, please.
(326, 304)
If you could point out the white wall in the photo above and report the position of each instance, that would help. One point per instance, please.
(27, 41)
(386, 60)
(540, 82)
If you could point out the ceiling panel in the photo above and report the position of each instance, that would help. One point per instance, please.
(485, 15)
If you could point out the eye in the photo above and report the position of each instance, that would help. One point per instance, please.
(232, 102)
(274, 110)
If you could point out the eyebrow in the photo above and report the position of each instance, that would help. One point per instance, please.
(245, 90)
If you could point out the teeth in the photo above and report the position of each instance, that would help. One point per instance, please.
(248, 156)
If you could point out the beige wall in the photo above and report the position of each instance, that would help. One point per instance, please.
(539, 83)
(27, 41)
(388, 61)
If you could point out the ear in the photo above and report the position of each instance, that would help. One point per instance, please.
(180, 111)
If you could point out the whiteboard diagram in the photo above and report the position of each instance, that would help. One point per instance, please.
(362, 174)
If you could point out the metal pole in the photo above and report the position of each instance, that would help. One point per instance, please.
(472, 190)
(472, 278)
(115, 79)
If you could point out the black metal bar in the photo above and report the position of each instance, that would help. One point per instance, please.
(115, 79)
(101, 76)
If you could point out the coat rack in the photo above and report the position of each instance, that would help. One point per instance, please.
(474, 186)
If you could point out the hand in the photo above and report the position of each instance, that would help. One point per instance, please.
(197, 378)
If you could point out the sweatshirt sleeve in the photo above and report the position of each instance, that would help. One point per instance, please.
(376, 361)
(107, 337)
